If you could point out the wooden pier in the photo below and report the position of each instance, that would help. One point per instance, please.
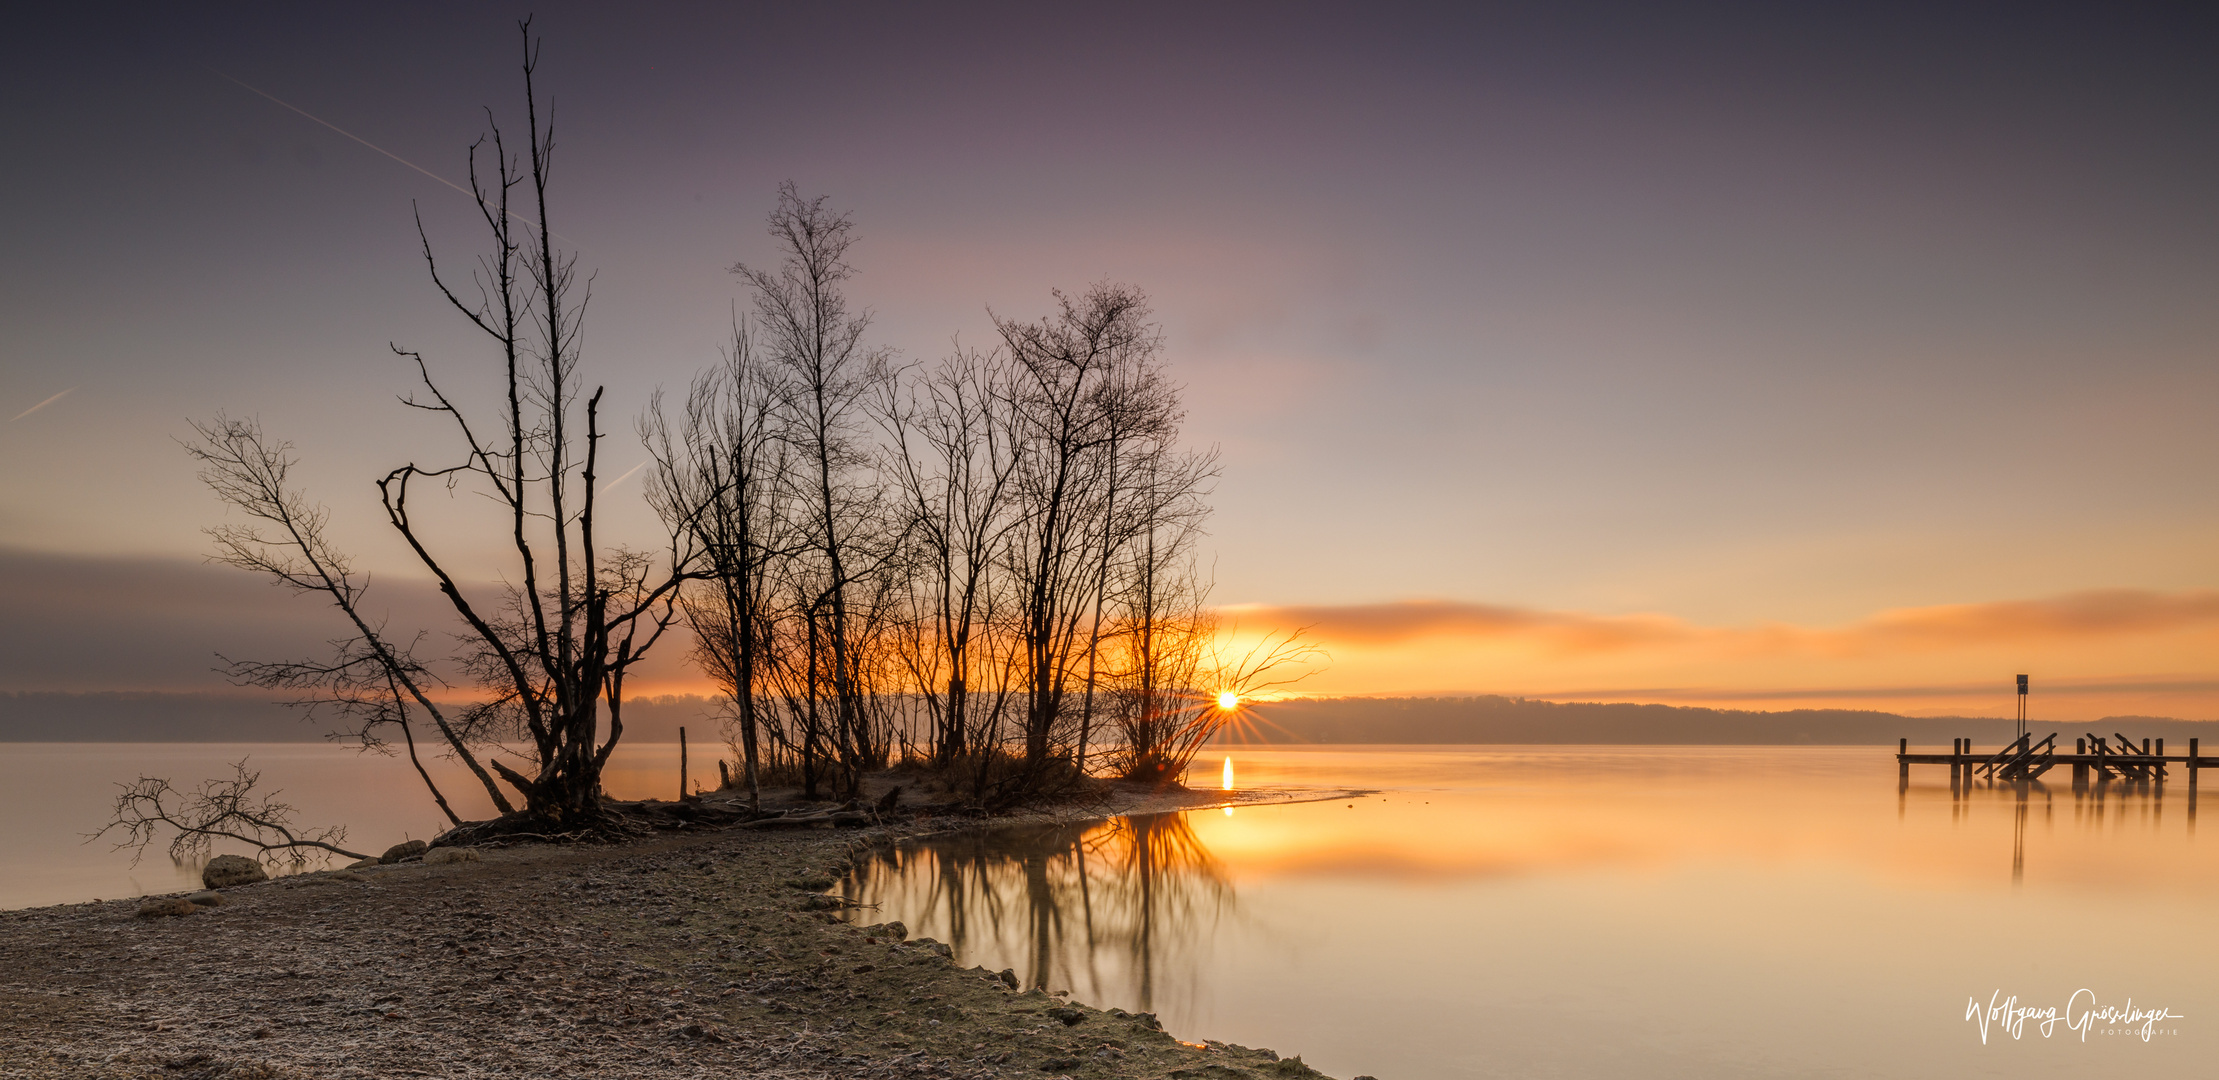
(2093, 756)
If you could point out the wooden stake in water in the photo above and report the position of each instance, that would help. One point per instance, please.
(681, 763)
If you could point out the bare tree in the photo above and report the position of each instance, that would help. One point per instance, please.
(367, 677)
(725, 477)
(1174, 680)
(549, 652)
(815, 341)
(952, 468)
(1088, 379)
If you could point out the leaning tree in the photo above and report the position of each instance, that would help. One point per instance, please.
(543, 656)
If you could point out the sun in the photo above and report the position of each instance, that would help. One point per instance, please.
(1228, 700)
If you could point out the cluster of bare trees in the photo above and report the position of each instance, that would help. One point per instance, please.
(986, 562)
(983, 562)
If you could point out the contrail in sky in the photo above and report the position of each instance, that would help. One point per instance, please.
(611, 484)
(388, 153)
(65, 393)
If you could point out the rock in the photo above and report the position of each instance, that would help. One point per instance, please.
(398, 852)
(445, 855)
(1008, 977)
(226, 871)
(1068, 1015)
(363, 864)
(160, 906)
(893, 930)
(208, 898)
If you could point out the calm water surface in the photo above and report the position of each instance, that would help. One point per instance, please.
(1609, 912)
(51, 794)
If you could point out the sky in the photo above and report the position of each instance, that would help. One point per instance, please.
(1725, 354)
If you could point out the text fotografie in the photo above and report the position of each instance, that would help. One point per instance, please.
(2080, 1013)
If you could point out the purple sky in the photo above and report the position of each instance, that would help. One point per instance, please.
(1728, 315)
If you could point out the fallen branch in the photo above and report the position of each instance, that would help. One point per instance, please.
(220, 810)
(836, 817)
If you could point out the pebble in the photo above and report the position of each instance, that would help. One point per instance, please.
(160, 906)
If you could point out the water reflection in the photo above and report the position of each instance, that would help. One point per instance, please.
(2098, 801)
(1111, 911)
(1597, 911)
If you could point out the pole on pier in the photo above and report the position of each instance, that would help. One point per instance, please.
(2022, 704)
(681, 764)
(1903, 765)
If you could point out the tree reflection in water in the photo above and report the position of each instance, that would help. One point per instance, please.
(1116, 912)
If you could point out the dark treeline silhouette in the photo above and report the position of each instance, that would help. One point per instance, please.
(1492, 719)
(985, 563)
(166, 716)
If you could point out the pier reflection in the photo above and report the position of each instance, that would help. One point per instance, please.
(2099, 803)
(1115, 912)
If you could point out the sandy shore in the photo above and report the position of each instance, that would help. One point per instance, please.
(698, 953)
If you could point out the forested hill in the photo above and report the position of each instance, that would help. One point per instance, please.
(1518, 720)
(239, 717)
(175, 717)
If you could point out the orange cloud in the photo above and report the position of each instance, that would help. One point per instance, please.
(2121, 650)
(1377, 624)
(2099, 613)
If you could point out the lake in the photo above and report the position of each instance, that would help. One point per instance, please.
(1489, 912)
(1610, 912)
(52, 794)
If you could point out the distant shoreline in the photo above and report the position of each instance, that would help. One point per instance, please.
(169, 717)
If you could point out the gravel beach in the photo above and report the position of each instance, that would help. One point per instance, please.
(704, 952)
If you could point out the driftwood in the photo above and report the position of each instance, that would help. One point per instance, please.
(219, 810)
(803, 821)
